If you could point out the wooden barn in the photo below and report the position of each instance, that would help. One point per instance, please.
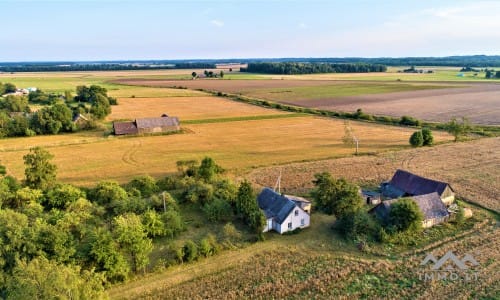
(431, 206)
(147, 125)
(404, 184)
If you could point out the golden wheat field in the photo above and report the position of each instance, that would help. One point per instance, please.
(186, 108)
(84, 159)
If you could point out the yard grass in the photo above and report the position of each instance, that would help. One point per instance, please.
(84, 159)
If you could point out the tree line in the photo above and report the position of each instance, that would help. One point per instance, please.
(60, 240)
(289, 68)
(56, 115)
(57, 67)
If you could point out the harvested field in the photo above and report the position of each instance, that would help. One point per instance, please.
(434, 101)
(248, 87)
(234, 145)
(186, 108)
(472, 169)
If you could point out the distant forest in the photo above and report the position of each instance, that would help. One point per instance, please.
(311, 68)
(58, 67)
(479, 61)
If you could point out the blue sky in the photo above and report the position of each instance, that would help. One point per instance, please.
(107, 30)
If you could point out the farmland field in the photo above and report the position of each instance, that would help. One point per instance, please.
(84, 159)
(430, 101)
(186, 108)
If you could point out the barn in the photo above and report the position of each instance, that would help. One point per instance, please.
(404, 184)
(282, 212)
(431, 206)
(147, 125)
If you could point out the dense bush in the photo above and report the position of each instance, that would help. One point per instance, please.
(416, 139)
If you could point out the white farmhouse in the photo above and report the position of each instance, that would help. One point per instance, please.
(283, 213)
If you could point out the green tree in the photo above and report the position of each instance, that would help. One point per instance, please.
(208, 169)
(15, 103)
(194, 75)
(358, 224)
(132, 236)
(245, 200)
(53, 119)
(40, 172)
(105, 252)
(405, 215)
(44, 279)
(145, 184)
(336, 196)
(428, 137)
(458, 128)
(221, 74)
(9, 88)
(417, 139)
(107, 193)
(101, 107)
(218, 210)
(173, 223)
(153, 223)
(190, 251)
(62, 195)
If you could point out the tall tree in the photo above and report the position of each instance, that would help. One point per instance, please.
(336, 196)
(458, 128)
(40, 172)
(132, 236)
(405, 215)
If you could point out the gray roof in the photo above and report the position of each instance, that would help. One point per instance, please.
(430, 205)
(275, 205)
(406, 183)
(124, 128)
(157, 122)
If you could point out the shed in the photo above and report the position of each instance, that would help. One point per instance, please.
(121, 128)
(370, 197)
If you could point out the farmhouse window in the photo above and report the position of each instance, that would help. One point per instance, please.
(296, 212)
(302, 222)
(290, 225)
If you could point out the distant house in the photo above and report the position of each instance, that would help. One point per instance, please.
(147, 125)
(431, 206)
(283, 213)
(404, 184)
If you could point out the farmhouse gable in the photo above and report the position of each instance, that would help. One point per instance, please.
(282, 212)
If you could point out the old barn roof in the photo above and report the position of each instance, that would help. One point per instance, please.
(430, 205)
(412, 184)
(275, 205)
(157, 122)
(125, 128)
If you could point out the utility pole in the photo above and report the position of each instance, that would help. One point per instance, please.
(164, 204)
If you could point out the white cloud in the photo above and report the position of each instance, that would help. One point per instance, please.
(302, 25)
(217, 23)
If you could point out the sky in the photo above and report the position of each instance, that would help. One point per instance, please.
(136, 30)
